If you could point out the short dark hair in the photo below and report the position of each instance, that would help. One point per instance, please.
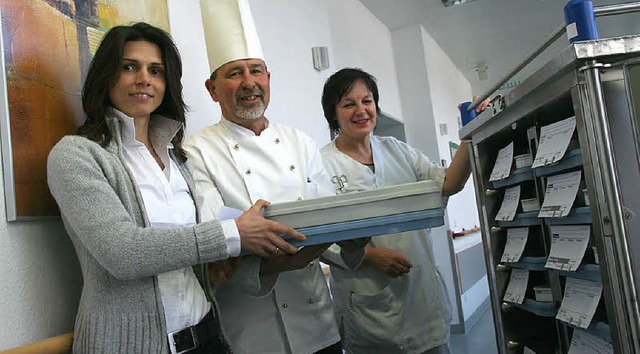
(105, 70)
(338, 85)
(214, 74)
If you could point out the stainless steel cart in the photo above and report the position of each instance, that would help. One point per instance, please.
(598, 82)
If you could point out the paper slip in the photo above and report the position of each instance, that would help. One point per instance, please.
(502, 167)
(554, 140)
(509, 204)
(528, 350)
(516, 240)
(579, 303)
(568, 244)
(517, 286)
(560, 194)
(226, 213)
(584, 343)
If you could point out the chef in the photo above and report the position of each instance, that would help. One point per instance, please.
(267, 306)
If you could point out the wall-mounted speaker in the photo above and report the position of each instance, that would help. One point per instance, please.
(320, 58)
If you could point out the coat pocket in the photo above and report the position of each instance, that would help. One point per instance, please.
(372, 321)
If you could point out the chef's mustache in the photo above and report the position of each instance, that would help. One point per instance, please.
(249, 92)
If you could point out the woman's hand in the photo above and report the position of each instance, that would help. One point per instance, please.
(287, 262)
(261, 236)
(482, 105)
(459, 169)
(390, 262)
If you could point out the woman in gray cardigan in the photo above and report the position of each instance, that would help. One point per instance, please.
(126, 199)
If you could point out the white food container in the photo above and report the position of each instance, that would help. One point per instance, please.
(531, 204)
(543, 293)
(399, 199)
(524, 160)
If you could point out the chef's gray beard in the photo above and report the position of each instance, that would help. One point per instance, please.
(251, 113)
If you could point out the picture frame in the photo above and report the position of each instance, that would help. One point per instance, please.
(46, 49)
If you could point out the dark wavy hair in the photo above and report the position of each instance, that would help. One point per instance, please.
(105, 70)
(338, 85)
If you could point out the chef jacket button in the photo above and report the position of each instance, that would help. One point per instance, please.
(299, 198)
(310, 264)
(292, 167)
(236, 146)
(285, 305)
(248, 171)
(310, 300)
(277, 140)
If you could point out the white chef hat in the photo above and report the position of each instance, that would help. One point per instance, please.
(229, 32)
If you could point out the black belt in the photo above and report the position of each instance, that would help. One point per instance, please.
(205, 334)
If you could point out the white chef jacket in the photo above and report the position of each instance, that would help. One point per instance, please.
(286, 313)
(377, 313)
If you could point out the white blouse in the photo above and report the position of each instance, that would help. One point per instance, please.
(168, 203)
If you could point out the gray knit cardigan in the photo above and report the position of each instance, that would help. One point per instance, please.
(120, 308)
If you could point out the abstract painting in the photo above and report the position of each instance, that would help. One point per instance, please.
(47, 49)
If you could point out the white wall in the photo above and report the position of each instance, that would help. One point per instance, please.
(415, 91)
(186, 29)
(431, 86)
(40, 279)
(361, 40)
(474, 297)
(449, 87)
(288, 29)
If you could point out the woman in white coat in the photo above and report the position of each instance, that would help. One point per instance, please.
(395, 301)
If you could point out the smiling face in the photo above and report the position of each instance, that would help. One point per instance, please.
(356, 112)
(242, 89)
(140, 86)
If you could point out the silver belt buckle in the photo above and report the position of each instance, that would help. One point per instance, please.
(172, 342)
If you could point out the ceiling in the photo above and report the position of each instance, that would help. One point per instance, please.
(487, 38)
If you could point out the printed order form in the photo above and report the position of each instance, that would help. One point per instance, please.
(568, 244)
(579, 303)
(502, 167)
(509, 204)
(516, 240)
(560, 194)
(517, 286)
(554, 140)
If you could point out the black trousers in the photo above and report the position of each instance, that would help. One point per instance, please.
(332, 349)
(213, 347)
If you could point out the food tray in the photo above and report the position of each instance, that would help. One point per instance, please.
(387, 201)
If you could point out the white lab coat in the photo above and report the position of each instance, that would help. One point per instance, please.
(286, 313)
(377, 313)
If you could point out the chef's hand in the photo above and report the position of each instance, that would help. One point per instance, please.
(220, 272)
(287, 262)
(261, 236)
(390, 262)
